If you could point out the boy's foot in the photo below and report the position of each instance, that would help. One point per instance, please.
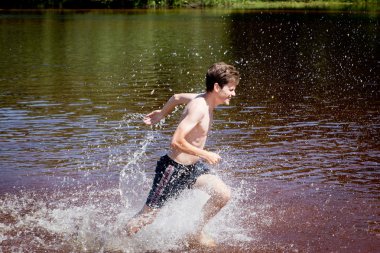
(131, 230)
(134, 226)
(202, 240)
(206, 240)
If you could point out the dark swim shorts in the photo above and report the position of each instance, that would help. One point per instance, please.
(172, 178)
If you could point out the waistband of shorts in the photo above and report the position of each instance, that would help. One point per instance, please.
(174, 163)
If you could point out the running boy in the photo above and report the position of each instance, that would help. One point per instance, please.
(182, 168)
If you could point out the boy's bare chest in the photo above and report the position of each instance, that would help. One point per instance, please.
(205, 124)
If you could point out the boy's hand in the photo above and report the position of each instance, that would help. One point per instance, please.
(212, 158)
(153, 117)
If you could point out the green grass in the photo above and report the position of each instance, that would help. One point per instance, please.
(293, 4)
(304, 4)
(372, 5)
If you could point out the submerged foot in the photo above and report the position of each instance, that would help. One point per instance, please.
(132, 228)
(143, 218)
(206, 240)
(202, 240)
(131, 231)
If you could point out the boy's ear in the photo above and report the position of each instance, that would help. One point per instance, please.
(216, 87)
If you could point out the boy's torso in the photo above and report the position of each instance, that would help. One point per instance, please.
(196, 137)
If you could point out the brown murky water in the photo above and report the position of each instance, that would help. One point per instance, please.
(300, 142)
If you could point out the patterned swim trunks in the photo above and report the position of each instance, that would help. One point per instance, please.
(171, 179)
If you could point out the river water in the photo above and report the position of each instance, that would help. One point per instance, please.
(300, 142)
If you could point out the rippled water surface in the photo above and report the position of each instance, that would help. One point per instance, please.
(300, 142)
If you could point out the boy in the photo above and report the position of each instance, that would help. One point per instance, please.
(182, 167)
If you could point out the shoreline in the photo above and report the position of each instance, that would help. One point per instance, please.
(318, 5)
(169, 10)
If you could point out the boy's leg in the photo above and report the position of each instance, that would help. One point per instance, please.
(145, 217)
(219, 193)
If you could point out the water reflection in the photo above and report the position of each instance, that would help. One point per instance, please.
(312, 109)
(291, 57)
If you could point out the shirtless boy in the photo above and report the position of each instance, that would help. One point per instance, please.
(182, 167)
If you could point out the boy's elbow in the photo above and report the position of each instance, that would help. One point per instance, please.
(176, 97)
(175, 144)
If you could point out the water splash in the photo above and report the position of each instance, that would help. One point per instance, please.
(133, 180)
(89, 218)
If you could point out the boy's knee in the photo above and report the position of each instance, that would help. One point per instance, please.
(219, 192)
(222, 195)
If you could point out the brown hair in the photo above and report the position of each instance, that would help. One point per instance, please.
(220, 73)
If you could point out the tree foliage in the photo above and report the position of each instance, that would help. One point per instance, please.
(126, 4)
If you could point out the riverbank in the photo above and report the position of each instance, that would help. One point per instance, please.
(370, 5)
(323, 5)
(252, 4)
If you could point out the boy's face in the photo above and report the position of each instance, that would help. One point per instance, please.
(227, 92)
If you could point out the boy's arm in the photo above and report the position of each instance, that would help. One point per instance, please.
(193, 117)
(177, 99)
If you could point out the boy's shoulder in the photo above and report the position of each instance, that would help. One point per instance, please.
(198, 105)
(198, 101)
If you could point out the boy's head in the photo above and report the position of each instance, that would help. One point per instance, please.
(220, 73)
